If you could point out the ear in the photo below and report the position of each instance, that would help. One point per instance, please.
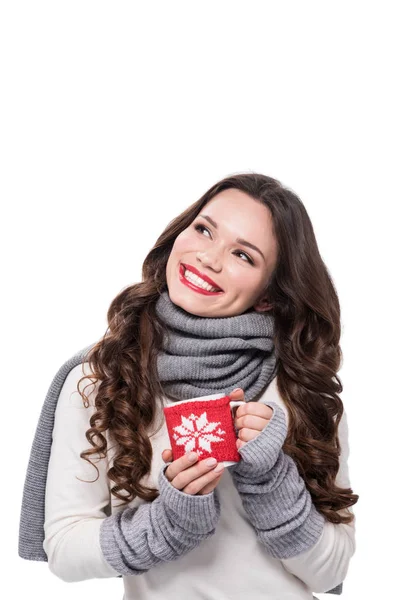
(262, 306)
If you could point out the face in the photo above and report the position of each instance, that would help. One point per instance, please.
(213, 251)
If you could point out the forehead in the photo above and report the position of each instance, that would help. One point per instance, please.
(238, 213)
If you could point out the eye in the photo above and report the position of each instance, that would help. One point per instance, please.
(237, 252)
(200, 227)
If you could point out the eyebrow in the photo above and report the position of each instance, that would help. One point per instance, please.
(239, 240)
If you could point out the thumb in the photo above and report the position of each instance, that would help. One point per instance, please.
(237, 394)
(167, 455)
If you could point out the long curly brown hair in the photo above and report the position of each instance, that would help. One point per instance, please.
(306, 309)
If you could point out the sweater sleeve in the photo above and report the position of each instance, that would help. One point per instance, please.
(325, 565)
(137, 539)
(82, 540)
(280, 508)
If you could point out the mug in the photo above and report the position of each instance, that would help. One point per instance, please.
(204, 425)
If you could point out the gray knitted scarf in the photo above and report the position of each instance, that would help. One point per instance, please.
(206, 355)
(201, 355)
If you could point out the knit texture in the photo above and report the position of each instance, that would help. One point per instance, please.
(31, 531)
(273, 494)
(137, 539)
(204, 426)
(203, 356)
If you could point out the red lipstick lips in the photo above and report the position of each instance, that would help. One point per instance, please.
(194, 287)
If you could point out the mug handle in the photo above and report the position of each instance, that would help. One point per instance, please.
(235, 403)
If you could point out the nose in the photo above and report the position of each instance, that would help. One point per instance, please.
(209, 259)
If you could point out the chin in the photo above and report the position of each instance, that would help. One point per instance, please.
(177, 298)
(187, 305)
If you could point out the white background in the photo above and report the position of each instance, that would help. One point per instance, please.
(115, 116)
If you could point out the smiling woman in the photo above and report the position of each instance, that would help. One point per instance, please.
(214, 255)
(234, 293)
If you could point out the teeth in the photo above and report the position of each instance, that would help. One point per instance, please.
(199, 282)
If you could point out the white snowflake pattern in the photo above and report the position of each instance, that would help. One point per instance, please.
(196, 433)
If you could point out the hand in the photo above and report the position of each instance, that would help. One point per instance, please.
(250, 418)
(192, 477)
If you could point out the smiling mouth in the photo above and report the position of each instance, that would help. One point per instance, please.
(191, 283)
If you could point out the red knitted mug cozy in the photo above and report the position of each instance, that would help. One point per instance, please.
(202, 426)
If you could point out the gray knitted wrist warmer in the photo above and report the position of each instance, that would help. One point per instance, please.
(273, 494)
(136, 539)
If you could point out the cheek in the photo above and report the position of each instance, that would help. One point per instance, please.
(245, 278)
(185, 242)
(180, 248)
(249, 282)
(186, 245)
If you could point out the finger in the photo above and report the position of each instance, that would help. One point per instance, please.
(240, 444)
(196, 485)
(167, 455)
(246, 435)
(255, 408)
(187, 476)
(237, 394)
(211, 486)
(251, 422)
(184, 462)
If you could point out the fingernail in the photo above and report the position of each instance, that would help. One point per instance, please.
(236, 390)
(218, 468)
(192, 456)
(211, 461)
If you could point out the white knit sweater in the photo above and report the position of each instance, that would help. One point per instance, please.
(74, 511)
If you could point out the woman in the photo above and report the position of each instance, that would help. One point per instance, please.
(234, 295)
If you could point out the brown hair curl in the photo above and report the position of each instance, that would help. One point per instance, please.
(307, 333)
